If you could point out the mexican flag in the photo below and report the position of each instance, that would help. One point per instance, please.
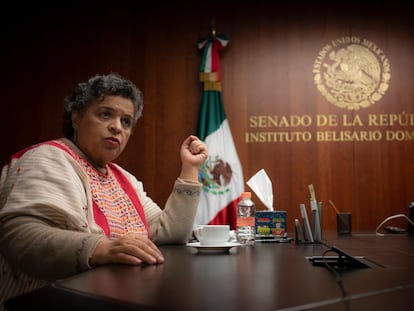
(221, 174)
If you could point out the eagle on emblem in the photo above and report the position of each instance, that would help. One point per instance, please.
(222, 173)
(215, 174)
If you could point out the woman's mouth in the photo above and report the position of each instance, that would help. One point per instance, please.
(113, 140)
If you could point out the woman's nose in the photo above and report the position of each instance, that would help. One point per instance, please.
(115, 126)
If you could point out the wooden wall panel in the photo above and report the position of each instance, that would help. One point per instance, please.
(266, 70)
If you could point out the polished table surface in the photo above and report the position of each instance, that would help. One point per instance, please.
(267, 276)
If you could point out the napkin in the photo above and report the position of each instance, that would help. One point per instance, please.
(262, 187)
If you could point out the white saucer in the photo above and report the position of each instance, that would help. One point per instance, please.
(214, 248)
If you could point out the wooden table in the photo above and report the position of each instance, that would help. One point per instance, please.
(267, 276)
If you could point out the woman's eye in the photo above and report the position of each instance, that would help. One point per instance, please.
(127, 122)
(105, 114)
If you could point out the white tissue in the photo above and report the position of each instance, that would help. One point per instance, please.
(262, 187)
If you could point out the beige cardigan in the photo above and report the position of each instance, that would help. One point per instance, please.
(47, 228)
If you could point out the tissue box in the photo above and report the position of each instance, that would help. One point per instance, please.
(270, 224)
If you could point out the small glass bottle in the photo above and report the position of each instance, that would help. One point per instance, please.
(245, 219)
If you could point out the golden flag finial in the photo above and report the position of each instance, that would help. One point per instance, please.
(213, 28)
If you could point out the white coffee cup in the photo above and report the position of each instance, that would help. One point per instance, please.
(212, 234)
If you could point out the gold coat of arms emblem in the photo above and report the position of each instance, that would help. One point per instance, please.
(352, 73)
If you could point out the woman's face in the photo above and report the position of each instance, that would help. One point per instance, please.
(103, 129)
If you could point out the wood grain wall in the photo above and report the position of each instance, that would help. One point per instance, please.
(266, 70)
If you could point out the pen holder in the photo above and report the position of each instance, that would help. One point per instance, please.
(344, 223)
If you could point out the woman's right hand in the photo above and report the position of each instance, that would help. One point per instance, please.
(132, 249)
(194, 153)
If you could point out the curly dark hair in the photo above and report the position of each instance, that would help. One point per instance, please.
(97, 87)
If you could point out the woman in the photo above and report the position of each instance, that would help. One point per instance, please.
(65, 207)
